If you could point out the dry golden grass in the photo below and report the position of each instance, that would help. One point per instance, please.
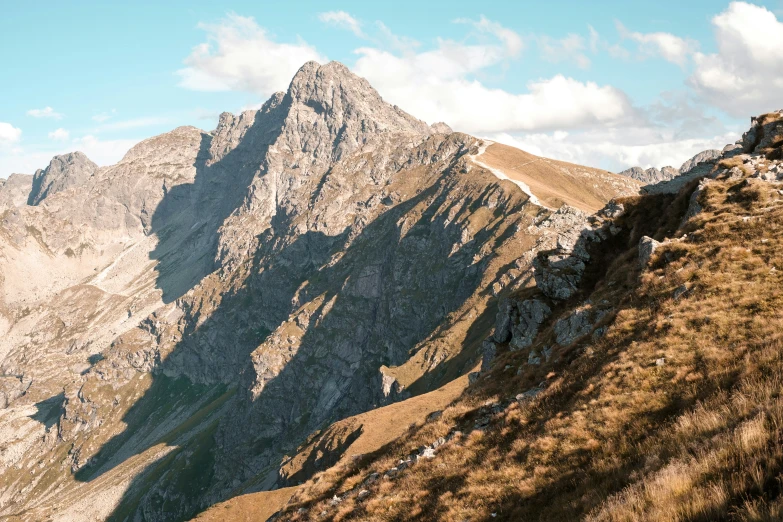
(736, 161)
(248, 508)
(615, 437)
(557, 182)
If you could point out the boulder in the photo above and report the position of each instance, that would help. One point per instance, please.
(580, 322)
(488, 351)
(647, 246)
(558, 276)
(531, 314)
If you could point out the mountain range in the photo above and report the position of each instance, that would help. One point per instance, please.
(261, 317)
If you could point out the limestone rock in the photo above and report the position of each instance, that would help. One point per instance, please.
(647, 246)
(651, 175)
(577, 324)
(63, 172)
(709, 155)
(285, 257)
(531, 314)
(15, 190)
(488, 352)
(558, 276)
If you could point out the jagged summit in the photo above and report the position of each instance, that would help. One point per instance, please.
(63, 172)
(224, 294)
(654, 175)
(334, 89)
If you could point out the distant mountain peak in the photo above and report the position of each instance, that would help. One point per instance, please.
(64, 171)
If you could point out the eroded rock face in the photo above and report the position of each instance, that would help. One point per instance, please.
(214, 298)
(647, 247)
(531, 313)
(709, 155)
(15, 190)
(63, 172)
(651, 175)
(577, 324)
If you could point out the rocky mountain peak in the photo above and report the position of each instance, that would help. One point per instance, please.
(348, 99)
(64, 171)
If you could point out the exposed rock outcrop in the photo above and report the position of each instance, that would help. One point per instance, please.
(63, 172)
(193, 313)
(15, 190)
(651, 175)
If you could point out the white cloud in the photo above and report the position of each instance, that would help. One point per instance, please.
(668, 46)
(239, 55)
(510, 39)
(745, 76)
(595, 39)
(104, 116)
(615, 149)
(59, 135)
(437, 85)
(570, 48)
(343, 20)
(46, 112)
(390, 40)
(9, 134)
(28, 160)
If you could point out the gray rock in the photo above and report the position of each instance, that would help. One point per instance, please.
(531, 314)
(613, 209)
(651, 175)
(680, 291)
(15, 191)
(440, 128)
(709, 155)
(529, 394)
(503, 321)
(64, 172)
(558, 276)
(731, 150)
(578, 323)
(427, 453)
(435, 415)
(647, 247)
(488, 352)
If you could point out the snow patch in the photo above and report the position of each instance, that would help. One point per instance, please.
(501, 175)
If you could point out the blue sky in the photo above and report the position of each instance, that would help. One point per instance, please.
(609, 84)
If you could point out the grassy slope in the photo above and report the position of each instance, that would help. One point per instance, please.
(615, 436)
(557, 182)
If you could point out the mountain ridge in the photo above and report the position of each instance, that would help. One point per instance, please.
(180, 321)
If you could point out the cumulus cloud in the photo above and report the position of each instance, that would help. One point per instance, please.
(9, 134)
(668, 46)
(343, 20)
(438, 85)
(615, 149)
(29, 159)
(240, 55)
(46, 112)
(59, 135)
(744, 76)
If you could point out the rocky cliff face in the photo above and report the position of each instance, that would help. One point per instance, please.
(175, 324)
(63, 172)
(652, 175)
